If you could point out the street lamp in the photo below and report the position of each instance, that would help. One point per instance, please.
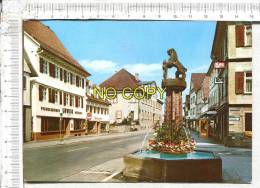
(61, 114)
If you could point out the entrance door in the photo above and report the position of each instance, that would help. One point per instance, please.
(248, 121)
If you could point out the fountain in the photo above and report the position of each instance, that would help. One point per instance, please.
(172, 156)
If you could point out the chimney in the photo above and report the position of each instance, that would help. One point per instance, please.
(137, 76)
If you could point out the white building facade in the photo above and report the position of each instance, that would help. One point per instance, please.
(58, 92)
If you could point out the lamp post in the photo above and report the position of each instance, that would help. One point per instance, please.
(60, 123)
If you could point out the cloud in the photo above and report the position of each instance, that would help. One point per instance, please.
(144, 69)
(202, 68)
(107, 66)
(104, 66)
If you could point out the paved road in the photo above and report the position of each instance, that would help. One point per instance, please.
(97, 160)
(60, 161)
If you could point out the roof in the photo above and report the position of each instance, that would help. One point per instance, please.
(50, 42)
(120, 80)
(197, 79)
(94, 99)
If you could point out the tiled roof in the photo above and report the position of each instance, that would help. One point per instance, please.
(197, 79)
(120, 80)
(50, 42)
(94, 99)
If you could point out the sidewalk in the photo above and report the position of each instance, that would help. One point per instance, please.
(84, 138)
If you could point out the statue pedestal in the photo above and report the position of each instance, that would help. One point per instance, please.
(173, 107)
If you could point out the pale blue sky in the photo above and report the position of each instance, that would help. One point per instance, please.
(103, 47)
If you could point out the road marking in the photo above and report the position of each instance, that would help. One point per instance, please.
(110, 177)
(77, 149)
(95, 172)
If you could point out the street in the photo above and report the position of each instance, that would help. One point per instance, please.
(60, 161)
(100, 160)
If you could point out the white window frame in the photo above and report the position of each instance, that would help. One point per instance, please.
(45, 67)
(44, 94)
(56, 72)
(67, 99)
(246, 33)
(245, 79)
(68, 77)
(56, 97)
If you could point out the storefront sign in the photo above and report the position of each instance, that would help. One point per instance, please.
(234, 118)
(89, 116)
(219, 65)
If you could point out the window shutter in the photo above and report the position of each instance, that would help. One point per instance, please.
(64, 99)
(70, 100)
(60, 98)
(71, 78)
(83, 83)
(40, 93)
(81, 102)
(77, 81)
(52, 69)
(240, 35)
(49, 95)
(239, 82)
(65, 76)
(53, 96)
(61, 73)
(41, 65)
(77, 102)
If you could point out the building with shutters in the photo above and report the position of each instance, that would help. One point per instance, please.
(195, 107)
(145, 112)
(58, 105)
(230, 87)
(97, 112)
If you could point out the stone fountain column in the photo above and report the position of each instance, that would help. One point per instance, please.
(174, 88)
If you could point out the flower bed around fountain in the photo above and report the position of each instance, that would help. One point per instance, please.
(175, 141)
(171, 158)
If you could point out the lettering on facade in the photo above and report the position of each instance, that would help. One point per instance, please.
(128, 93)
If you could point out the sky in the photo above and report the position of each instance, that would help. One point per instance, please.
(104, 47)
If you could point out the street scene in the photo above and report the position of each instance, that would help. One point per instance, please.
(111, 103)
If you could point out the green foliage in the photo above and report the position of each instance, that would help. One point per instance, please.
(174, 134)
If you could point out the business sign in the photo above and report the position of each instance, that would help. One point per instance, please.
(219, 65)
(218, 80)
(89, 116)
(234, 118)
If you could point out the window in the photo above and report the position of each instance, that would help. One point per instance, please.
(24, 82)
(56, 96)
(248, 35)
(68, 77)
(73, 79)
(243, 82)
(243, 35)
(72, 100)
(77, 81)
(83, 82)
(248, 82)
(52, 70)
(51, 95)
(60, 97)
(65, 75)
(56, 73)
(67, 99)
(61, 74)
(43, 66)
(42, 93)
